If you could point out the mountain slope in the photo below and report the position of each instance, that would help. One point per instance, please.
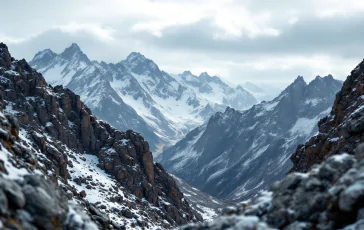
(331, 194)
(165, 105)
(92, 163)
(238, 153)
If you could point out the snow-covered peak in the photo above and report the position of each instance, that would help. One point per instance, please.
(47, 53)
(298, 85)
(325, 78)
(136, 56)
(186, 73)
(74, 51)
(299, 80)
(239, 87)
(74, 47)
(250, 86)
(204, 75)
(141, 65)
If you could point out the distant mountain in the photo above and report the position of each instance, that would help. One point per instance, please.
(262, 92)
(135, 93)
(239, 153)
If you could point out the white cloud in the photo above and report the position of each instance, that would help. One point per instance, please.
(333, 8)
(103, 33)
(108, 30)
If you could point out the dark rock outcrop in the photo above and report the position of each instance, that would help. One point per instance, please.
(341, 131)
(30, 201)
(331, 196)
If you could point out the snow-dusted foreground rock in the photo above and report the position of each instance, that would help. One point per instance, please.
(330, 196)
(27, 199)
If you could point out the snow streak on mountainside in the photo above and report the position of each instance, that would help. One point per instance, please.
(135, 93)
(209, 207)
(239, 153)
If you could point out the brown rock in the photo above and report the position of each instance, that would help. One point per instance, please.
(83, 193)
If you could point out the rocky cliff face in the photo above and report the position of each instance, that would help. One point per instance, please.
(238, 153)
(93, 163)
(341, 131)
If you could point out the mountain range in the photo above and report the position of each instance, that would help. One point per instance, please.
(134, 93)
(238, 153)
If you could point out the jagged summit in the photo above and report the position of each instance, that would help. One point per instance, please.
(186, 72)
(43, 53)
(239, 86)
(325, 78)
(5, 57)
(299, 80)
(135, 55)
(204, 75)
(296, 87)
(3, 46)
(138, 60)
(74, 51)
(141, 65)
(74, 47)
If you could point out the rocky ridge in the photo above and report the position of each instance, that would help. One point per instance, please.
(92, 163)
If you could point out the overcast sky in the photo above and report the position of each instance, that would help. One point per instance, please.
(271, 41)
